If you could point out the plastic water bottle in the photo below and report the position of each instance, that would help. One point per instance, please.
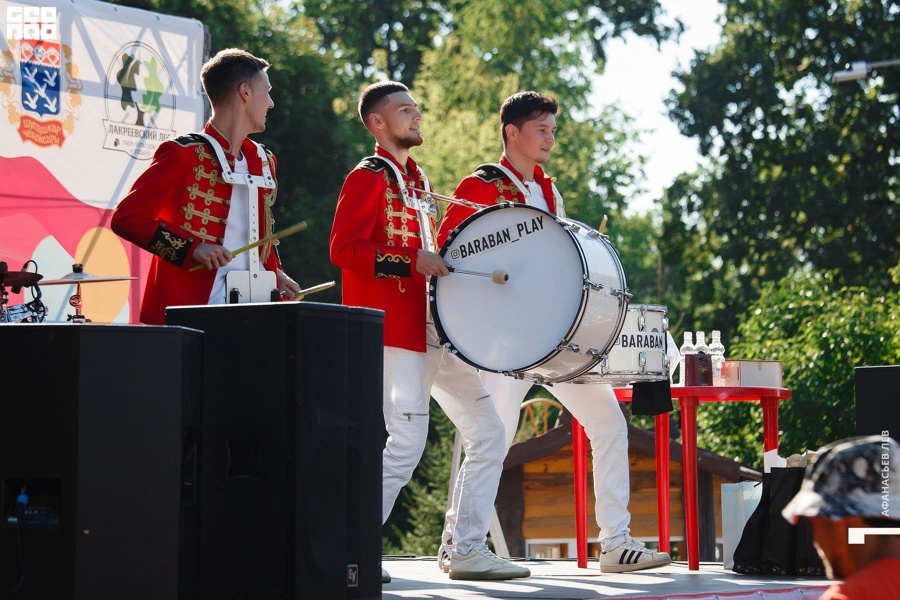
(687, 349)
(701, 343)
(717, 354)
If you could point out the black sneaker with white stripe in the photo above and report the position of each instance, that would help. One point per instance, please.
(631, 556)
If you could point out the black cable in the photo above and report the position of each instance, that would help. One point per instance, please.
(21, 503)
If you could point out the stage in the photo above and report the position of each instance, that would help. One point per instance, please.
(419, 577)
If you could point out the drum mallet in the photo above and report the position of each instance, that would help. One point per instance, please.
(499, 276)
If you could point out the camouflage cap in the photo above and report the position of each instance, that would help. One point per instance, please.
(852, 477)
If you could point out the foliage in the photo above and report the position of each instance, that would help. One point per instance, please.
(805, 171)
(820, 331)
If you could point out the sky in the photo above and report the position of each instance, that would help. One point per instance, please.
(638, 78)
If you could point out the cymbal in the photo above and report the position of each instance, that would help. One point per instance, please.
(19, 278)
(73, 278)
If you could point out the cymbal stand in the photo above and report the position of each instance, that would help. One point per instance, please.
(75, 300)
(4, 295)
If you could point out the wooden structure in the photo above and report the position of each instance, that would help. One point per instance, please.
(536, 496)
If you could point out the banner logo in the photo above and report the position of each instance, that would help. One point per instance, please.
(140, 102)
(45, 110)
(32, 23)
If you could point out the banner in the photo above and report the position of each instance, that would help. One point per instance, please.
(88, 91)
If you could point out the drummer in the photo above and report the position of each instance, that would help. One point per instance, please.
(197, 199)
(382, 239)
(528, 128)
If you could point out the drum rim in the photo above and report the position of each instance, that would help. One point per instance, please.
(573, 327)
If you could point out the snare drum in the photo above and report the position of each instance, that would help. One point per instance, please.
(639, 352)
(556, 316)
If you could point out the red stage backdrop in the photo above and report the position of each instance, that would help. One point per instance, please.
(88, 91)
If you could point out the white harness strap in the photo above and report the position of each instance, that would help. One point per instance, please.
(423, 207)
(255, 285)
(560, 209)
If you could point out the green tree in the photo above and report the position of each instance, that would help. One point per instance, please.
(805, 171)
(820, 331)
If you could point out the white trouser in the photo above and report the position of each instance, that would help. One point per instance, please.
(596, 408)
(410, 378)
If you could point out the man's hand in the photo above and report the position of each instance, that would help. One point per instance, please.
(212, 256)
(429, 263)
(287, 286)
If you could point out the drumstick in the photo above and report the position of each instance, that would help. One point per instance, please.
(454, 200)
(499, 276)
(602, 228)
(314, 289)
(269, 238)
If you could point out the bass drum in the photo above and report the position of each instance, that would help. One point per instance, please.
(558, 313)
(639, 352)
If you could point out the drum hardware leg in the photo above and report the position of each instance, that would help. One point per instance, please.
(499, 276)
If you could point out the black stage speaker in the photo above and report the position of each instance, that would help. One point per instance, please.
(98, 427)
(877, 391)
(291, 446)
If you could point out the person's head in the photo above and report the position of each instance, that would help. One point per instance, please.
(528, 125)
(388, 110)
(853, 484)
(235, 75)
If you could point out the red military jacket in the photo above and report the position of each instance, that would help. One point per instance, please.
(489, 185)
(374, 240)
(178, 202)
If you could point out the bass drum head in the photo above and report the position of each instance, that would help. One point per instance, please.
(517, 324)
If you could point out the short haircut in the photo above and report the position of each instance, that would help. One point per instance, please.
(227, 70)
(374, 94)
(522, 107)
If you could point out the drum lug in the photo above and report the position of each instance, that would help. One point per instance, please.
(642, 361)
(593, 234)
(617, 292)
(590, 284)
(665, 324)
(573, 227)
(642, 321)
(593, 352)
(563, 345)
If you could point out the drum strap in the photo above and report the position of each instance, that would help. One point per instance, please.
(253, 183)
(560, 210)
(423, 207)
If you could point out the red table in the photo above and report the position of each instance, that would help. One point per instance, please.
(689, 397)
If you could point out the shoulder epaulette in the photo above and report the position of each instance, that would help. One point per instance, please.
(372, 163)
(488, 173)
(189, 139)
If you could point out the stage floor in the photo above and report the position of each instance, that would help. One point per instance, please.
(420, 578)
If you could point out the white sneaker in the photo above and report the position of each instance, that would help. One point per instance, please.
(480, 564)
(631, 556)
(385, 576)
(443, 557)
